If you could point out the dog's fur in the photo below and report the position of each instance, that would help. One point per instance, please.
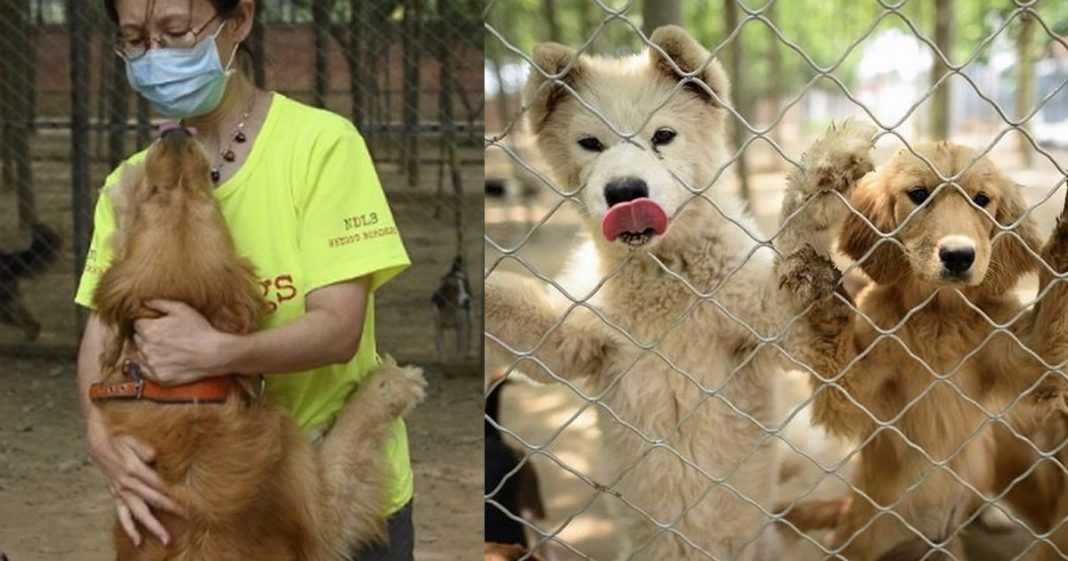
(253, 486)
(937, 320)
(682, 437)
(452, 308)
(34, 260)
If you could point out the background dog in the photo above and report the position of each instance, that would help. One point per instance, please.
(35, 259)
(517, 493)
(943, 260)
(452, 308)
(672, 266)
(252, 485)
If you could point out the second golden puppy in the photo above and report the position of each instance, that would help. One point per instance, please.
(940, 346)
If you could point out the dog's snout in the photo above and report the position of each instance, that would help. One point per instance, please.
(625, 189)
(957, 259)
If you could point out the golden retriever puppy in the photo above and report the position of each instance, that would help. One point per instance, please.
(939, 347)
(251, 483)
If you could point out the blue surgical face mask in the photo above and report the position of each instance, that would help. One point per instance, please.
(181, 83)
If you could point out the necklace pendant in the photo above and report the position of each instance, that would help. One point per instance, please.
(229, 155)
(240, 137)
(215, 175)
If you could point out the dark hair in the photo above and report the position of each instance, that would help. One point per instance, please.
(225, 8)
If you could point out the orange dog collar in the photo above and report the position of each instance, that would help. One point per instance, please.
(136, 387)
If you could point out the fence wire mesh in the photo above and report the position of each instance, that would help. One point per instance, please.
(882, 440)
(406, 72)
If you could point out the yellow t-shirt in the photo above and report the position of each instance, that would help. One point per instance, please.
(307, 210)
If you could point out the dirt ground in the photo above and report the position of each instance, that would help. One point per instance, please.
(555, 420)
(54, 505)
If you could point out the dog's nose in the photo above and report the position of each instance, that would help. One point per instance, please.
(957, 259)
(625, 189)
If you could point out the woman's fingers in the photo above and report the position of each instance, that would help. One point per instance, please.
(141, 513)
(144, 451)
(135, 466)
(153, 497)
(126, 520)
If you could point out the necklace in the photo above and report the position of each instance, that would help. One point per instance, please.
(227, 155)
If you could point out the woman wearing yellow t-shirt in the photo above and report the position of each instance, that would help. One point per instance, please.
(300, 195)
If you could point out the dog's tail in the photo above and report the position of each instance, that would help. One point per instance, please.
(35, 259)
(352, 456)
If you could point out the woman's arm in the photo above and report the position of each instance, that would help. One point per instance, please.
(123, 459)
(182, 347)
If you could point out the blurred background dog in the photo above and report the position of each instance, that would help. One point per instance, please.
(35, 259)
(452, 308)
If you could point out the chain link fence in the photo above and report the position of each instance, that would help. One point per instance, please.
(602, 463)
(406, 72)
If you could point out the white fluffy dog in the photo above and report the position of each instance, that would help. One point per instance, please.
(679, 298)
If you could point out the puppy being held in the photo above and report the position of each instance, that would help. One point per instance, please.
(250, 484)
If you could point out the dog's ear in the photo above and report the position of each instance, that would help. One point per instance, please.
(1009, 257)
(870, 200)
(689, 56)
(542, 92)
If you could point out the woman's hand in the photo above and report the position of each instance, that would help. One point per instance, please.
(135, 486)
(179, 347)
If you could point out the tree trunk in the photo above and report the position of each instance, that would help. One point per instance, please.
(943, 39)
(663, 12)
(117, 105)
(8, 112)
(504, 115)
(354, 55)
(775, 85)
(105, 62)
(552, 21)
(1025, 81)
(445, 113)
(321, 17)
(20, 20)
(81, 198)
(739, 133)
(412, 39)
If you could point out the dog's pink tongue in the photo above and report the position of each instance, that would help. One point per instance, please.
(635, 217)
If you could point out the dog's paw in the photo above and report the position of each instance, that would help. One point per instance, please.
(401, 388)
(808, 277)
(839, 158)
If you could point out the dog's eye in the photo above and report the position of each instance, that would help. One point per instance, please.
(591, 143)
(663, 136)
(981, 199)
(918, 195)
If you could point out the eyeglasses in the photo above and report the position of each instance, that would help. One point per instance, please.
(135, 47)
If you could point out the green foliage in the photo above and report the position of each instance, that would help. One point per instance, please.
(821, 29)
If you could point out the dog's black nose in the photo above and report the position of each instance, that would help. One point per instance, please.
(957, 259)
(625, 189)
